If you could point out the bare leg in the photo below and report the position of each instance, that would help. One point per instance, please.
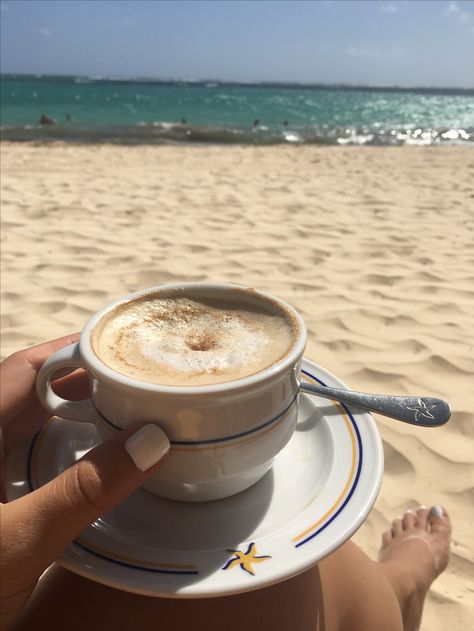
(338, 594)
(414, 552)
(67, 601)
(347, 591)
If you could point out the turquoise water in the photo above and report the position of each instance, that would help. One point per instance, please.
(137, 111)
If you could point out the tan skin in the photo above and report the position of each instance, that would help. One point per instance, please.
(345, 591)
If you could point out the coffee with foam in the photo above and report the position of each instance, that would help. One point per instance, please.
(191, 340)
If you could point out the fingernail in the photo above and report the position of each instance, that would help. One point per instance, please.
(147, 445)
(436, 511)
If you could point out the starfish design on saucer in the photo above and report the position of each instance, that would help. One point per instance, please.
(245, 559)
(422, 410)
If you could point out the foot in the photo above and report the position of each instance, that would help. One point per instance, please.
(413, 553)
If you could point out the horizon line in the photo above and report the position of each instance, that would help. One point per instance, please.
(248, 83)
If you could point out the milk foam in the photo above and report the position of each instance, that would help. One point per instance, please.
(183, 341)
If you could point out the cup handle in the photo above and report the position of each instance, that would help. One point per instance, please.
(67, 357)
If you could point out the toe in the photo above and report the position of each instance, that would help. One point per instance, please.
(386, 538)
(409, 520)
(422, 517)
(438, 519)
(397, 527)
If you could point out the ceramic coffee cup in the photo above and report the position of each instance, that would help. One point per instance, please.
(224, 436)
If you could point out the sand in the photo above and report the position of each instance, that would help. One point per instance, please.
(374, 246)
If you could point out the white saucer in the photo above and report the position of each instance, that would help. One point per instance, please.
(319, 491)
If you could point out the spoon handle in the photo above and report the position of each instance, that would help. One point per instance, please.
(422, 411)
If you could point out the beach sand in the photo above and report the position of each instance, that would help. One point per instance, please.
(374, 246)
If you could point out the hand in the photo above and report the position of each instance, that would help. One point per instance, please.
(38, 527)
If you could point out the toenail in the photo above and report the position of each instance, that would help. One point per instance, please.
(408, 510)
(423, 507)
(436, 511)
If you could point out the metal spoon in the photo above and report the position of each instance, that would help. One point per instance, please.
(422, 411)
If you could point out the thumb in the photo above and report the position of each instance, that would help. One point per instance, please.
(55, 514)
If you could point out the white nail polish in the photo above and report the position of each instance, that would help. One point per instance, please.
(436, 511)
(147, 445)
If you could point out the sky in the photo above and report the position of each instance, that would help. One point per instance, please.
(409, 43)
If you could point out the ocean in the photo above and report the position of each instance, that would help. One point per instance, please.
(140, 111)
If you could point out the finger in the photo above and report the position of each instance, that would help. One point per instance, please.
(73, 387)
(18, 375)
(37, 355)
(25, 425)
(29, 421)
(59, 511)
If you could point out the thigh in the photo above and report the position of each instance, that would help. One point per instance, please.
(66, 601)
(345, 591)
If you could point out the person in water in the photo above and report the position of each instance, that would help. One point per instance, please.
(345, 591)
(46, 120)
